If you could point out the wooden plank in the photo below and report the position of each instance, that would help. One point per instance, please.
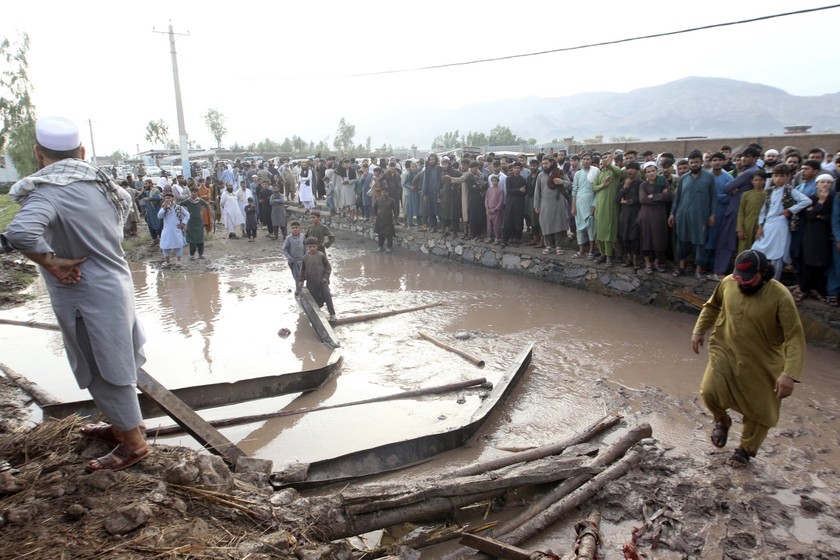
(213, 395)
(495, 548)
(322, 327)
(184, 416)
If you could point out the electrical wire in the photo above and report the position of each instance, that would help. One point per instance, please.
(592, 45)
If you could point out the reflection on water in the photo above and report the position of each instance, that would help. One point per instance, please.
(592, 354)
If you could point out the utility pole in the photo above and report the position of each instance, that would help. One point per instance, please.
(182, 129)
(92, 145)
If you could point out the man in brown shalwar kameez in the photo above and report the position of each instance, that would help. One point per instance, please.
(756, 352)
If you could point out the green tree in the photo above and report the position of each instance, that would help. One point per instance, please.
(17, 112)
(503, 136)
(19, 147)
(448, 140)
(367, 144)
(216, 123)
(119, 156)
(300, 145)
(344, 135)
(476, 139)
(268, 145)
(157, 132)
(236, 147)
(624, 138)
(287, 146)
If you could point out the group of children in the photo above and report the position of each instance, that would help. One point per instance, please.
(307, 259)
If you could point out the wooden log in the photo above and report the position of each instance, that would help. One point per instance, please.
(577, 498)
(565, 488)
(339, 526)
(169, 430)
(41, 397)
(381, 314)
(599, 427)
(469, 357)
(613, 452)
(588, 537)
(366, 499)
(494, 548)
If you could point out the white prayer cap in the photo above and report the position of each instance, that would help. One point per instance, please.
(57, 133)
(648, 164)
(825, 177)
(771, 152)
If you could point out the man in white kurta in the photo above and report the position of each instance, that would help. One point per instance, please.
(71, 224)
(232, 215)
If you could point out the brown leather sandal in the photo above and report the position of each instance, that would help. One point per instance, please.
(119, 458)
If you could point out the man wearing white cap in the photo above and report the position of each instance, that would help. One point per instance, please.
(71, 224)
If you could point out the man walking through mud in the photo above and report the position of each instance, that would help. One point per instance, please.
(756, 352)
(71, 224)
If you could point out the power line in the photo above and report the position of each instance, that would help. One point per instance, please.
(592, 45)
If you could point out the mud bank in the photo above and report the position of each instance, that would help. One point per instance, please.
(685, 294)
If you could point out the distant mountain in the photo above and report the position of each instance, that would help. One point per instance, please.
(694, 106)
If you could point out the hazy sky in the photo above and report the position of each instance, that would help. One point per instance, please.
(277, 69)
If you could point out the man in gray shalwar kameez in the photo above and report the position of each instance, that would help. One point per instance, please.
(550, 205)
(71, 224)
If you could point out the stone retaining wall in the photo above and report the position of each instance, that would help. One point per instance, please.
(686, 294)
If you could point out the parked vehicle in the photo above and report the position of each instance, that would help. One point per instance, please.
(153, 171)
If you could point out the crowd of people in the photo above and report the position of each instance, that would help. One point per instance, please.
(657, 212)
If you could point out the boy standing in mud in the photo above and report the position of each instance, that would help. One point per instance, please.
(320, 232)
(315, 270)
(294, 248)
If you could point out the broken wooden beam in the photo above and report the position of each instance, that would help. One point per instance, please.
(496, 549)
(467, 356)
(184, 416)
(169, 430)
(380, 315)
(321, 326)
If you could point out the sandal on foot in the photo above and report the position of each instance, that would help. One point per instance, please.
(798, 295)
(100, 432)
(660, 269)
(720, 433)
(560, 251)
(649, 270)
(119, 458)
(577, 255)
(546, 251)
(677, 272)
(590, 256)
(832, 301)
(739, 459)
(816, 295)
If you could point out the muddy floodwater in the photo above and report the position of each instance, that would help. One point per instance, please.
(593, 355)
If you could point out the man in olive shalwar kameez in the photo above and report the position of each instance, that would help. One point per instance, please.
(756, 352)
(606, 209)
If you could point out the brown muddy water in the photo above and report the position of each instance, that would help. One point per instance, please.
(593, 355)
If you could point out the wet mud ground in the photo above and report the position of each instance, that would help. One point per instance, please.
(218, 321)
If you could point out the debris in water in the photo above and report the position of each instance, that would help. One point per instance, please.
(463, 335)
(284, 332)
